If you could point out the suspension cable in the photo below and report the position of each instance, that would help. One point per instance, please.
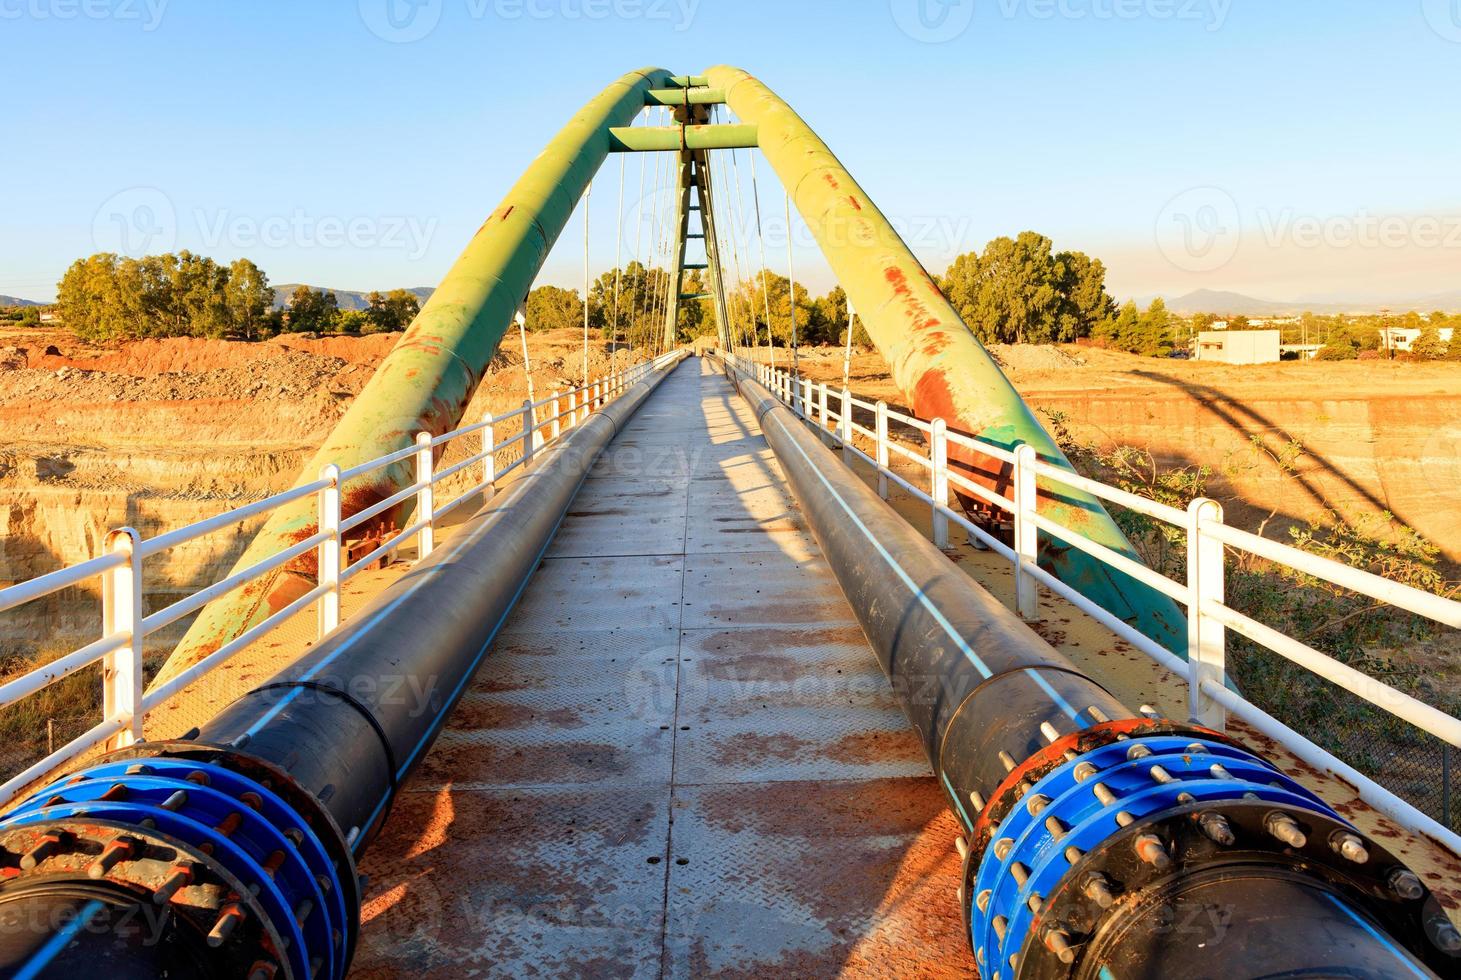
(847, 353)
(770, 339)
(618, 247)
(638, 239)
(791, 291)
(736, 334)
(761, 244)
(736, 258)
(586, 192)
(522, 331)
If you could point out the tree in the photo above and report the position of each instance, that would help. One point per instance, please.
(1154, 331)
(249, 299)
(832, 310)
(554, 308)
(1453, 349)
(1429, 346)
(1121, 331)
(312, 311)
(391, 311)
(1019, 291)
(354, 322)
(1085, 301)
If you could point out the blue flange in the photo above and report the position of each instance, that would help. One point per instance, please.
(250, 831)
(1030, 853)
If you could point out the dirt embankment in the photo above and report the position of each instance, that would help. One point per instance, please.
(1377, 437)
(160, 433)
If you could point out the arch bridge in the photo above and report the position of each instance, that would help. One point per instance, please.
(707, 667)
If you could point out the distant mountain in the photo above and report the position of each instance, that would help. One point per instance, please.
(1237, 304)
(17, 301)
(348, 299)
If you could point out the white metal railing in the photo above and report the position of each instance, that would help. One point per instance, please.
(125, 627)
(1209, 618)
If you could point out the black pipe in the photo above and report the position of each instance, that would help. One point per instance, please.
(1083, 820)
(246, 832)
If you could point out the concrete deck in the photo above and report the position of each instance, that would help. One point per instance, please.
(681, 758)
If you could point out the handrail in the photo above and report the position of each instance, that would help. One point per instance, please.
(125, 626)
(1207, 538)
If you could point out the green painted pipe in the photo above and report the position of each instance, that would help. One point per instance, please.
(684, 96)
(425, 382)
(626, 139)
(936, 362)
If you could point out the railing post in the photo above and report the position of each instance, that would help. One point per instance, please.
(425, 496)
(1025, 497)
(881, 415)
(557, 416)
(597, 401)
(939, 486)
(804, 399)
(1206, 636)
(327, 557)
(528, 435)
(489, 456)
(121, 612)
(846, 423)
(822, 398)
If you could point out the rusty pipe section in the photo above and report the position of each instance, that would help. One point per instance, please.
(231, 852)
(937, 363)
(425, 382)
(1098, 842)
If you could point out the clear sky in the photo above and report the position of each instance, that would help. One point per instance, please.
(1291, 149)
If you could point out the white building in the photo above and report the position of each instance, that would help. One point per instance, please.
(1400, 338)
(1238, 346)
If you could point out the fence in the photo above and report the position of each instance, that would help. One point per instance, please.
(1209, 619)
(125, 627)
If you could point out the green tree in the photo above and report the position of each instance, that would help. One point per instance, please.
(1154, 331)
(354, 322)
(1429, 346)
(1453, 349)
(390, 312)
(312, 311)
(1019, 291)
(250, 300)
(1120, 332)
(554, 308)
(1084, 300)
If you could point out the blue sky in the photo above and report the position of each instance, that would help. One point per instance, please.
(1286, 148)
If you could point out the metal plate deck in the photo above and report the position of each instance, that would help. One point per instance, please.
(681, 758)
